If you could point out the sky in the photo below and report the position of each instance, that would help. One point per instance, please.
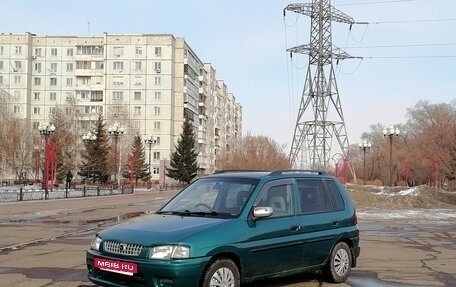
(407, 49)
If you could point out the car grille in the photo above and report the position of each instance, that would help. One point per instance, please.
(122, 248)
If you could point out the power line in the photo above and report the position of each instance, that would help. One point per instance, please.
(411, 57)
(374, 2)
(411, 21)
(402, 46)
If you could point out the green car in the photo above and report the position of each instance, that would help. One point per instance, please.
(230, 228)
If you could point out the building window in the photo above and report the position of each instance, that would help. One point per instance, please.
(138, 50)
(1, 50)
(156, 125)
(158, 96)
(37, 82)
(18, 49)
(157, 140)
(70, 52)
(17, 79)
(17, 109)
(83, 65)
(118, 51)
(53, 82)
(53, 96)
(137, 96)
(99, 65)
(36, 110)
(117, 95)
(158, 51)
(69, 67)
(118, 81)
(1, 80)
(137, 110)
(1, 65)
(53, 67)
(157, 110)
(36, 96)
(52, 110)
(17, 65)
(69, 82)
(157, 80)
(138, 65)
(38, 67)
(156, 170)
(157, 67)
(118, 65)
(156, 155)
(54, 52)
(38, 52)
(84, 81)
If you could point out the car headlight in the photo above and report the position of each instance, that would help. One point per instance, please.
(169, 252)
(96, 243)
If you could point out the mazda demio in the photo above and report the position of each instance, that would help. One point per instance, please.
(230, 228)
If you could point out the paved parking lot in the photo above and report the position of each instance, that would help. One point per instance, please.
(43, 243)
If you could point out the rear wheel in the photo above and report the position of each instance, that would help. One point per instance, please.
(221, 273)
(339, 264)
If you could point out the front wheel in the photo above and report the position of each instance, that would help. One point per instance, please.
(221, 273)
(339, 264)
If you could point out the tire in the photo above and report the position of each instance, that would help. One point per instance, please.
(339, 264)
(222, 272)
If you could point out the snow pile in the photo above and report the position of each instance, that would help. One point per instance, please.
(413, 191)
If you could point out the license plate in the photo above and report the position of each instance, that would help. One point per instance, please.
(126, 268)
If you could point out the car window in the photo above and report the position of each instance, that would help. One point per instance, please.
(334, 195)
(224, 195)
(279, 197)
(312, 197)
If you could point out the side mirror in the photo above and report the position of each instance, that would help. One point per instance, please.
(261, 212)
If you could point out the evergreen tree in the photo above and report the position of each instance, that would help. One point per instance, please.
(183, 160)
(136, 166)
(95, 157)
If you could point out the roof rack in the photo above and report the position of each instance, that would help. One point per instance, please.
(240, 170)
(284, 171)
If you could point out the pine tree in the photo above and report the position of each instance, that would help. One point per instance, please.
(183, 160)
(95, 157)
(136, 166)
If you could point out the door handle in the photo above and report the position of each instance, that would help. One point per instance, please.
(295, 228)
(335, 222)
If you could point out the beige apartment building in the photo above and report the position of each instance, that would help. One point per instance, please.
(147, 83)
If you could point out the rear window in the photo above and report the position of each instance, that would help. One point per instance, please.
(335, 197)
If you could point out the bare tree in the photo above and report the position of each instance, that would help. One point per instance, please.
(255, 152)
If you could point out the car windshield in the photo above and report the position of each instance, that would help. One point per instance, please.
(224, 197)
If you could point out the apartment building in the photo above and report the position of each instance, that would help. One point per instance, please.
(147, 83)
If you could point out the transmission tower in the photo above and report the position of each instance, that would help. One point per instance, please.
(320, 118)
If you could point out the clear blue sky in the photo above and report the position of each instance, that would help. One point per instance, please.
(246, 42)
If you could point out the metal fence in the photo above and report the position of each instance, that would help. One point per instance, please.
(28, 194)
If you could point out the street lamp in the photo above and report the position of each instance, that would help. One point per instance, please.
(364, 146)
(116, 130)
(46, 130)
(150, 141)
(88, 138)
(390, 132)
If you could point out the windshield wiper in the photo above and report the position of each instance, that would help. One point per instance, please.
(198, 213)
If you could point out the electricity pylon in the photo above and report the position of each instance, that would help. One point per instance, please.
(320, 117)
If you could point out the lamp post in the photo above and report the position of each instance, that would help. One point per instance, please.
(116, 130)
(364, 146)
(88, 138)
(45, 131)
(150, 142)
(390, 132)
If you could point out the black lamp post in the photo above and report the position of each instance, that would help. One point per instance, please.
(46, 130)
(88, 138)
(150, 142)
(364, 146)
(116, 131)
(391, 132)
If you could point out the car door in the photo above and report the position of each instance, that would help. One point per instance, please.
(273, 244)
(319, 225)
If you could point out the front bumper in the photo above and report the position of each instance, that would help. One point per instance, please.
(151, 273)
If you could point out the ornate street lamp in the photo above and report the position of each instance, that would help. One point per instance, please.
(364, 146)
(390, 132)
(46, 130)
(116, 131)
(150, 142)
(88, 138)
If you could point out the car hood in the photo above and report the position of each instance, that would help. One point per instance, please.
(159, 229)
